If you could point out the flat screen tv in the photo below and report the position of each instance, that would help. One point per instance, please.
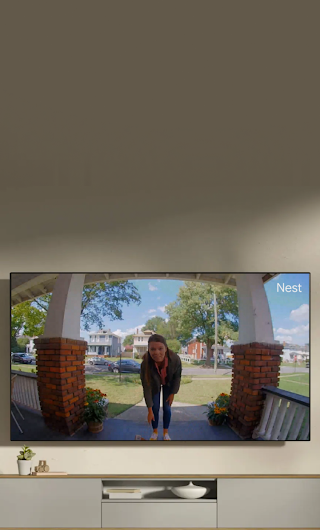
(160, 357)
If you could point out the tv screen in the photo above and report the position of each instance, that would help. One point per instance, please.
(160, 357)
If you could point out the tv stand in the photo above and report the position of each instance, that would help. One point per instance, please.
(159, 507)
(80, 501)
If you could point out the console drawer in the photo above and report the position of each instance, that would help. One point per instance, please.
(164, 514)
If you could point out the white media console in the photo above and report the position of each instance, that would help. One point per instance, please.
(81, 502)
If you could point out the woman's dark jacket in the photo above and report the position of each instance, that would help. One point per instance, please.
(173, 377)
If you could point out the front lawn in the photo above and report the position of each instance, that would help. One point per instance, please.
(31, 368)
(121, 394)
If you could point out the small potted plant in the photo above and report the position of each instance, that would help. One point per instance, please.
(25, 460)
(217, 411)
(96, 409)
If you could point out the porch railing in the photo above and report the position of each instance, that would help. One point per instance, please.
(25, 390)
(285, 416)
(185, 358)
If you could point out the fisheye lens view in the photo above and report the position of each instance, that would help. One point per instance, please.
(160, 357)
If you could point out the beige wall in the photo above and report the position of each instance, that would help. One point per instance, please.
(222, 114)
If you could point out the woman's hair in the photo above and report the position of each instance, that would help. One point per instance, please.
(147, 357)
(157, 338)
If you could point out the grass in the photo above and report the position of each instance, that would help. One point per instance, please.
(24, 367)
(199, 392)
(212, 376)
(299, 365)
(299, 384)
(121, 394)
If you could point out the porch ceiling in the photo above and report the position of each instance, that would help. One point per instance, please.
(27, 286)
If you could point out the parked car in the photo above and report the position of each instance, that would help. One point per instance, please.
(99, 360)
(23, 358)
(127, 365)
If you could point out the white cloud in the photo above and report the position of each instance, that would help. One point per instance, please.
(128, 331)
(158, 297)
(162, 308)
(152, 311)
(284, 338)
(294, 331)
(166, 319)
(300, 314)
(152, 287)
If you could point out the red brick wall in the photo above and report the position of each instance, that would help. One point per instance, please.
(254, 365)
(61, 382)
(197, 346)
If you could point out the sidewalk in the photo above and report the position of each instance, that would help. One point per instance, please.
(179, 412)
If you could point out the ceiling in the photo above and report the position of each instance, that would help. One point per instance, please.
(27, 286)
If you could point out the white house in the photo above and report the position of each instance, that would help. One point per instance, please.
(140, 341)
(30, 347)
(289, 355)
(104, 342)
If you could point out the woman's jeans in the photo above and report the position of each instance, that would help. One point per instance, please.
(166, 391)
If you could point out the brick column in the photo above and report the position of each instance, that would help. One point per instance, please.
(61, 382)
(255, 364)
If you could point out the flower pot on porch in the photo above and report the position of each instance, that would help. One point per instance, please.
(216, 423)
(24, 467)
(95, 426)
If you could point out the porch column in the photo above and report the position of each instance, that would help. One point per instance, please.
(256, 356)
(61, 357)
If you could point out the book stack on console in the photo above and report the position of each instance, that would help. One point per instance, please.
(121, 493)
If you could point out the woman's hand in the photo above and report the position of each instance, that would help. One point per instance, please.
(170, 399)
(150, 415)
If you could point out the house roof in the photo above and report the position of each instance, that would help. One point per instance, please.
(147, 332)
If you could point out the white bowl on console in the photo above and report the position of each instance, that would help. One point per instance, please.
(190, 492)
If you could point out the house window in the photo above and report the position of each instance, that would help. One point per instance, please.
(102, 338)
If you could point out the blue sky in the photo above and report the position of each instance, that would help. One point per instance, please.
(289, 310)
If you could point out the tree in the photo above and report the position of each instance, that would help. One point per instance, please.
(128, 340)
(193, 313)
(153, 324)
(98, 300)
(167, 329)
(27, 318)
(174, 345)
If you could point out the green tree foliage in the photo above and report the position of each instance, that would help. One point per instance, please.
(174, 345)
(28, 318)
(166, 329)
(153, 324)
(19, 345)
(98, 301)
(128, 341)
(193, 313)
